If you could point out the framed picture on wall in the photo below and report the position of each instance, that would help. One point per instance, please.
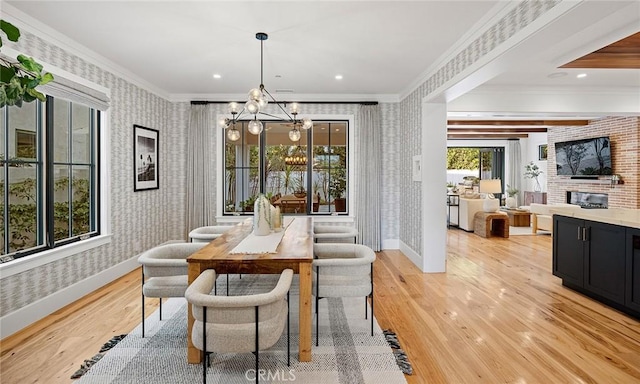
(542, 152)
(145, 158)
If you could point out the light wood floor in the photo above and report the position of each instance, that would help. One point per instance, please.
(496, 316)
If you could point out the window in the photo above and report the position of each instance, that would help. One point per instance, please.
(48, 185)
(305, 177)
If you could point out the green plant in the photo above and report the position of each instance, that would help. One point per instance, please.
(338, 183)
(511, 192)
(18, 80)
(450, 184)
(532, 171)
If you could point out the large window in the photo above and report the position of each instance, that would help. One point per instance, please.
(48, 182)
(304, 177)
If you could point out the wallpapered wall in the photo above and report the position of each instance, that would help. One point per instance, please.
(523, 14)
(140, 220)
(145, 219)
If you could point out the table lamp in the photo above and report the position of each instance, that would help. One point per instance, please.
(489, 187)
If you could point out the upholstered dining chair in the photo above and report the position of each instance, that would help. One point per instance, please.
(343, 270)
(334, 234)
(237, 324)
(164, 272)
(208, 233)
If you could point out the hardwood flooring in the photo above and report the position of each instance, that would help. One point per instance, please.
(497, 315)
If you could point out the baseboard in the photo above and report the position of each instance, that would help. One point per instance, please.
(29, 314)
(391, 244)
(411, 254)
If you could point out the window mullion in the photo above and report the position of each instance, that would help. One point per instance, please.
(49, 179)
(70, 172)
(5, 170)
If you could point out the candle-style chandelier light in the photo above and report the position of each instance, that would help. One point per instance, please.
(298, 157)
(259, 98)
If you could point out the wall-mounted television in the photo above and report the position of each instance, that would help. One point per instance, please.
(585, 157)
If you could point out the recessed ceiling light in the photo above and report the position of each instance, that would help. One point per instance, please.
(555, 75)
(338, 77)
(216, 76)
(581, 75)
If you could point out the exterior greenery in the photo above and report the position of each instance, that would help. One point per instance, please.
(23, 212)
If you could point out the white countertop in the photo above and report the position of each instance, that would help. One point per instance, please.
(618, 216)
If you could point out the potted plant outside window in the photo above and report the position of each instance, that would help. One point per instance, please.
(337, 189)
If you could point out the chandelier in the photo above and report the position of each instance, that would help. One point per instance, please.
(259, 98)
(297, 158)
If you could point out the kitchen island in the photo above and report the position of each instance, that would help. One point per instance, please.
(597, 253)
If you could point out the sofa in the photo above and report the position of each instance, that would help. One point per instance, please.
(463, 214)
(542, 215)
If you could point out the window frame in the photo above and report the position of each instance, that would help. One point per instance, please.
(351, 153)
(102, 188)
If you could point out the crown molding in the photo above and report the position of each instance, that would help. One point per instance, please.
(487, 21)
(27, 23)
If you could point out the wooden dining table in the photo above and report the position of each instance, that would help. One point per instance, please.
(295, 251)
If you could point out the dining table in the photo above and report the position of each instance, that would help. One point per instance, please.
(294, 251)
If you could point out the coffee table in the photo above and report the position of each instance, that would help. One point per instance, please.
(518, 217)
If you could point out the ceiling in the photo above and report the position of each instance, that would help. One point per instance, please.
(382, 49)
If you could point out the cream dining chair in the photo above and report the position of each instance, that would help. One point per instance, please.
(238, 324)
(164, 272)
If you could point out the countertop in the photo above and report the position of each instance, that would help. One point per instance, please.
(618, 216)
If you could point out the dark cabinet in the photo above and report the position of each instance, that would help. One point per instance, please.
(591, 256)
(568, 249)
(605, 260)
(633, 269)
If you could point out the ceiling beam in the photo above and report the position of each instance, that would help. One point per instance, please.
(484, 130)
(497, 136)
(533, 123)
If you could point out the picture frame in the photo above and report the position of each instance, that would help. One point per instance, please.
(145, 158)
(542, 152)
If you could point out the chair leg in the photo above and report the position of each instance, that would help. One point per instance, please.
(227, 284)
(160, 310)
(288, 333)
(317, 301)
(142, 294)
(371, 299)
(204, 345)
(257, 343)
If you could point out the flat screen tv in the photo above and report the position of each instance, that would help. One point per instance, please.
(586, 157)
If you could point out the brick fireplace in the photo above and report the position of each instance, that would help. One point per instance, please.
(624, 133)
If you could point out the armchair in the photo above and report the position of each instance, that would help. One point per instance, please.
(164, 272)
(342, 270)
(236, 324)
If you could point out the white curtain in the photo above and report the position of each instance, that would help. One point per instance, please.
(515, 176)
(200, 207)
(367, 173)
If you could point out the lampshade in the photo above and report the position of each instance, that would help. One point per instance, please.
(490, 186)
(490, 204)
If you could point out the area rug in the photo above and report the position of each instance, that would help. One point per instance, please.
(347, 353)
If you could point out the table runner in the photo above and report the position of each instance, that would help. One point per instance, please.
(262, 244)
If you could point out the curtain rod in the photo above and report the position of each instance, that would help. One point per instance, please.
(200, 102)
